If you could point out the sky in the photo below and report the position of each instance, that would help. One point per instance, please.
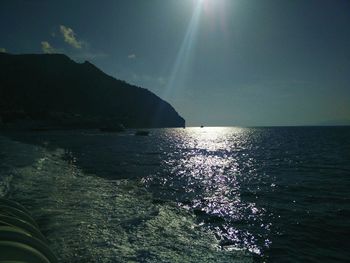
(218, 62)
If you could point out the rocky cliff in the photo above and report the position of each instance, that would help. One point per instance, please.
(55, 89)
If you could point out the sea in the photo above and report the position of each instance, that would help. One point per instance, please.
(212, 194)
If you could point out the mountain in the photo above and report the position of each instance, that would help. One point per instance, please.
(55, 89)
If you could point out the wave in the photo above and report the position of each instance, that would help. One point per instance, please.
(87, 218)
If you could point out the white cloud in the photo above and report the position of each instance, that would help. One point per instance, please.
(81, 50)
(2, 50)
(131, 56)
(161, 81)
(47, 48)
(87, 55)
(145, 80)
(69, 37)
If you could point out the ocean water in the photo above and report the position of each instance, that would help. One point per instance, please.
(185, 195)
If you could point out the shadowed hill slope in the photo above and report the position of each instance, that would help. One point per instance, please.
(53, 87)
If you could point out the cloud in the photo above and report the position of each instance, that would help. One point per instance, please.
(161, 81)
(131, 56)
(81, 50)
(69, 37)
(2, 50)
(145, 80)
(86, 54)
(47, 48)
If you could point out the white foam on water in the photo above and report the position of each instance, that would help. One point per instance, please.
(12, 155)
(91, 219)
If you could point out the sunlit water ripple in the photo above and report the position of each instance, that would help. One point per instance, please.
(186, 195)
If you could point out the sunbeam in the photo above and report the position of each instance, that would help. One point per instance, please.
(185, 53)
(183, 59)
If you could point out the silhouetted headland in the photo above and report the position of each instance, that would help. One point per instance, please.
(52, 91)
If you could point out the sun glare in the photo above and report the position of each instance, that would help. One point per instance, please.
(201, 2)
(209, 6)
(206, 1)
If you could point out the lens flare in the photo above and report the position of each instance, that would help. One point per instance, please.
(183, 59)
(184, 54)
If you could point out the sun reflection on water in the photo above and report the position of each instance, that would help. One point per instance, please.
(213, 138)
(206, 169)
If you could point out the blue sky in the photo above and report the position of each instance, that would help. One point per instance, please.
(218, 62)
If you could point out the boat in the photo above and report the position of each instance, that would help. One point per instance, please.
(20, 237)
(141, 133)
(113, 128)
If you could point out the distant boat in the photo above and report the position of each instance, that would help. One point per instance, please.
(202, 126)
(141, 133)
(113, 128)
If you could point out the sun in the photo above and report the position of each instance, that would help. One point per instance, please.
(205, 4)
(202, 1)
